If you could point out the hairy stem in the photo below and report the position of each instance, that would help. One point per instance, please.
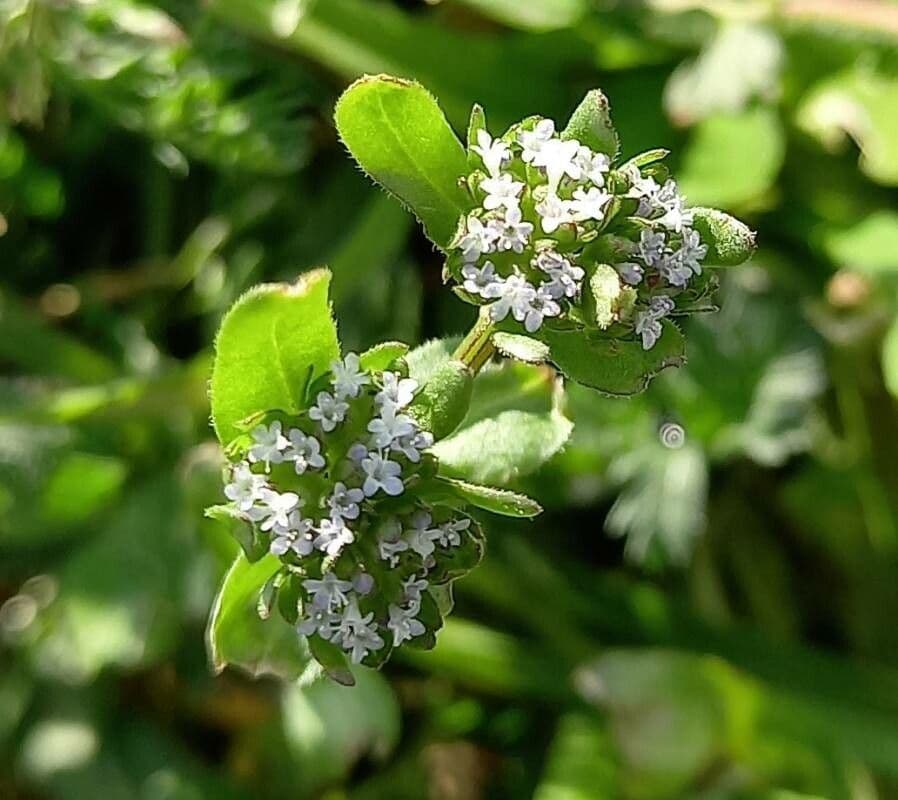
(476, 349)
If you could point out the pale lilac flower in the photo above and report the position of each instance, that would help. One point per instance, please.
(322, 621)
(565, 277)
(357, 633)
(333, 536)
(329, 411)
(363, 583)
(389, 426)
(381, 474)
(348, 377)
(328, 593)
(344, 503)
(648, 321)
(268, 444)
(589, 204)
(541, 306)
(397, 392)
(493, 152)
(304, 451)
(479, 280)
(501, 192)
(553, 213)
(692, 251)
(450, 532)
(511, 232)
(412, 589)
(630, 272)
(245, 487)
(274, 509)
(515, 295)
(532, 141)
(411, 445)
(478, 239)
(296, 536)
(421, 535)
(652, 247)
(403, 625)
(389, 551)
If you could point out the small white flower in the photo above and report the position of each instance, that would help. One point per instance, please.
(421, 535)
(296, 536)
(333, 536)
(541, 306)
(479, 280)
(493, 152)
(357, 632)
(478, 239)
(593, 166)
(511, 233)
(515, 295)
(268, 444)
(676, 216)
(553, 212)
(304, 451)
(450, 532)
(348, 377)
(245, 487)
(556, 156)
(533, 140)
(692, 251)
(501, 192)
(344, 502)
(390, 426)
(381, 474)
(274, 509)
(397, 392)
(643, 189)
(321, 621)
(403, 625)
(630, 272)
(328, 593)
(565, 277)
(652, 247)
(589, 204)
(412, 589)
(412, 445)
(329, 411)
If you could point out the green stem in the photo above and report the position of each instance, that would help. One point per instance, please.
(476, 349)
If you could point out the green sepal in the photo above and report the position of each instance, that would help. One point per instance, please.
(590, 124)
(332, 660)
(441, 404)
(730, 242)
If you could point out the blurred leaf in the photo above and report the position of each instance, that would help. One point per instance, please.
(741, 61)
(398, 134)
(614, 366)
(329, 728)
(861, 103)
(581, 764)
(733, 160)
(870, 245)
(512, 428)
(237, 636)
(79, 486)
(547, 15)
(272, 343)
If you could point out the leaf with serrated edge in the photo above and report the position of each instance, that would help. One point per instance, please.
(498, 501)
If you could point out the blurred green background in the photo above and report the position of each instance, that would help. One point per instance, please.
(711, 621)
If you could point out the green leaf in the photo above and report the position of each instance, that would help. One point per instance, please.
(512, 428)
(426, 359)
(591, 125)
(274, 340)
(614, 366)
(379, 357)
(520, 347)
(332, 660)
(399, 135)
(236, 634)
(498, 501)
(730, 242)
(733, 160)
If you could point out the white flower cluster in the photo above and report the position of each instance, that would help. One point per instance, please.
(541, 199)
(332, 493)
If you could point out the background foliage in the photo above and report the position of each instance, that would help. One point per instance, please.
(710, 621)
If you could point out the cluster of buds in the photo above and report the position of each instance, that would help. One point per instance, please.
(343, 494)
(558, 235)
